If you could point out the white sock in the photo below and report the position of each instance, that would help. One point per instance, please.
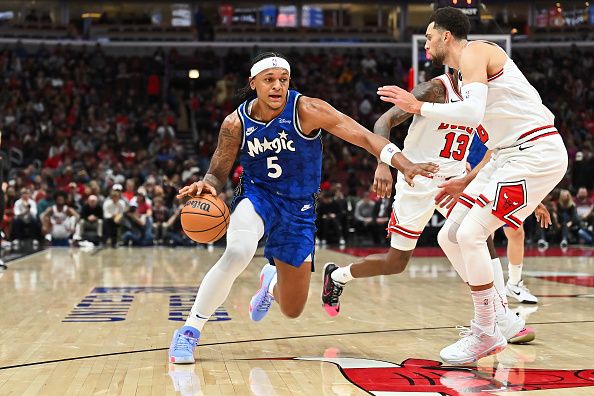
(342, 274)
(196, 320)
(484, 309)
(514, 273)
(499, 283)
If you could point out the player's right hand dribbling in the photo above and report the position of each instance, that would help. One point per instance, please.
(196, 189)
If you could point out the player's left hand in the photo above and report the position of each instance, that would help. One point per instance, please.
(543, 216)
(410, 170)
(401, 98)
(383, 181)
(450, 192)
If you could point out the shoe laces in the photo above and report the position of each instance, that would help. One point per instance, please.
(521, 286)
(185, 342)
(265, 303)
(467, 337)
(463, 331)
(336, 292)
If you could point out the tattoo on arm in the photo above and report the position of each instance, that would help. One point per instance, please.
(224, 156)
(431, 91)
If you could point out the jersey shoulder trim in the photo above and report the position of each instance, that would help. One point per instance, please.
(296, 120)
(442, 80)
(240, 115)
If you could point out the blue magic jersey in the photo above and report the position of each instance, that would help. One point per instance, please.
(277, 156)
(477, 151)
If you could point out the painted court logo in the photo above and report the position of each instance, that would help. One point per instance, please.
(430, 377)
(111, 304)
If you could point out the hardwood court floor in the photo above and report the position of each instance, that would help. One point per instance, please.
(100, 322)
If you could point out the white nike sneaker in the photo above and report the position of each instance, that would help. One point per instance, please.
(514, 329)
(520, 293)
(473, 345)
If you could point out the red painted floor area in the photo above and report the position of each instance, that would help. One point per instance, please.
(437, 252)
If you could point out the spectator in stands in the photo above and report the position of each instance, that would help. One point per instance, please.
(130, 191)
(364, 216)
(10, 199)
(381, 214)
(134, 226)
(582, 170)
(345, 208)
(59, 221)
(585, 214)
(174, 235)
(90, 226)
(160, 216)
(328, 219)
(568, 218)
(25, 224)
(114, 208)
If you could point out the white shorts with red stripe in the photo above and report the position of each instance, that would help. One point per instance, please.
(516, 180)
(412, 209)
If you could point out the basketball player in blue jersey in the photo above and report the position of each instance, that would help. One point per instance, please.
(277, 135)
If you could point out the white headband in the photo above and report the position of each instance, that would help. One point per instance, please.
(269, 63)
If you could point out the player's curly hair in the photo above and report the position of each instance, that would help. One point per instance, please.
(246, 92)
(453, 20)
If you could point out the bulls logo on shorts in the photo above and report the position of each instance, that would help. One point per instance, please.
(510, 197)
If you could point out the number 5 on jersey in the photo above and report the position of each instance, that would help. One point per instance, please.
(275, 171)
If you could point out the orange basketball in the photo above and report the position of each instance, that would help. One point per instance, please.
(205, 218)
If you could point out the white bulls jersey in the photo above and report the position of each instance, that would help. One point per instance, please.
(442, 143)
(514, 113)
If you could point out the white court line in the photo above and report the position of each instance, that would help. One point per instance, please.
(556, 273)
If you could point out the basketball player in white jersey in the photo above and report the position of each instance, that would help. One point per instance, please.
(427, 140)
(529, 159)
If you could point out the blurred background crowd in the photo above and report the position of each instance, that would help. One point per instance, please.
(96, 145)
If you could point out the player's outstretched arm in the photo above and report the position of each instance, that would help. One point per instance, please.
(429, 91)
(470, 111)
(230, 136)
(315, 114)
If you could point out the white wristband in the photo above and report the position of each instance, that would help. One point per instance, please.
(388, 152)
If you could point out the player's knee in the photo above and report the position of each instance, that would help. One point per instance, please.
(447, 235)
(468, 234)
(396, 261)
(442, 237)
(516, 235)
(292, 311)
(237, 255)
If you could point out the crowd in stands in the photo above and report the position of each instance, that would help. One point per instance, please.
(92, 152)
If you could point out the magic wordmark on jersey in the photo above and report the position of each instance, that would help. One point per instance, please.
(276, 145)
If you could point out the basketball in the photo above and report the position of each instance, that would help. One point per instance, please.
(205, 218)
